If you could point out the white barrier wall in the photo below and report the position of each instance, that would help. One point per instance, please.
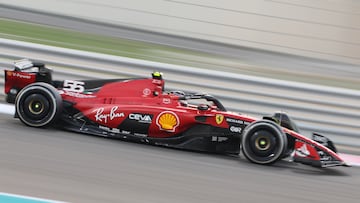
(328, 29)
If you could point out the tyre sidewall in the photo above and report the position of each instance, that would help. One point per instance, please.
(47, 91)
(281, 141)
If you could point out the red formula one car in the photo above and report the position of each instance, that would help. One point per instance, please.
(142, 110)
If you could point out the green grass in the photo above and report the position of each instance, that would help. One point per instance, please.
(103, 44)
(74, 40)
(141, 50)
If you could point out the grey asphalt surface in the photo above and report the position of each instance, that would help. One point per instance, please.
(66, 166)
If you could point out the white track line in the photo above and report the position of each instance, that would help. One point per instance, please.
(7, 109)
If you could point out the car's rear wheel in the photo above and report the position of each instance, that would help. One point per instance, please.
(263, 142)
(38, 105)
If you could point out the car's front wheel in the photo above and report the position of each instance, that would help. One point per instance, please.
(263, 142)
(38, 104)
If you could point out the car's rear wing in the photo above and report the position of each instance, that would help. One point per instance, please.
(25, 72)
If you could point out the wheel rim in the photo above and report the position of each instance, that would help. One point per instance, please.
(262, 143)
(36, 107)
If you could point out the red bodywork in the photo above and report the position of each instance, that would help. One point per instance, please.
(18, 80)
(305, 150)
(111, 105)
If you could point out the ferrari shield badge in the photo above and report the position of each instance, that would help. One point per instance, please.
(219, 118)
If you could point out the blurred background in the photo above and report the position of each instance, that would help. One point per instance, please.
(257, 56)
(325, 29)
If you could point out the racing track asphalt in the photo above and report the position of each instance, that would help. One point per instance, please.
(67, 166)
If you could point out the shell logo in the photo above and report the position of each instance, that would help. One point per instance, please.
(167, 121)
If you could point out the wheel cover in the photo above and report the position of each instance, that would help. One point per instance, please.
(263, 142)
(36, 106)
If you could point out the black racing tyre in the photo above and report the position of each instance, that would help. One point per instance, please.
(263, 142)
(38, 104)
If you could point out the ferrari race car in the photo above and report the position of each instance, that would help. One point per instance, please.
(141, 110)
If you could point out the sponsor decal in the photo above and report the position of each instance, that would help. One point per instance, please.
(235, 129)
(146, 91)
(104, 117)
(219, 118)
(125, 132)
(140, 134)
(218, 139)
(324, 156)
(142, 118)
(73, 86)
(112, 130)
(232, 120)
(20, 75)
(167, 121)
(76, 94)
(302, 151)
(166, 100)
